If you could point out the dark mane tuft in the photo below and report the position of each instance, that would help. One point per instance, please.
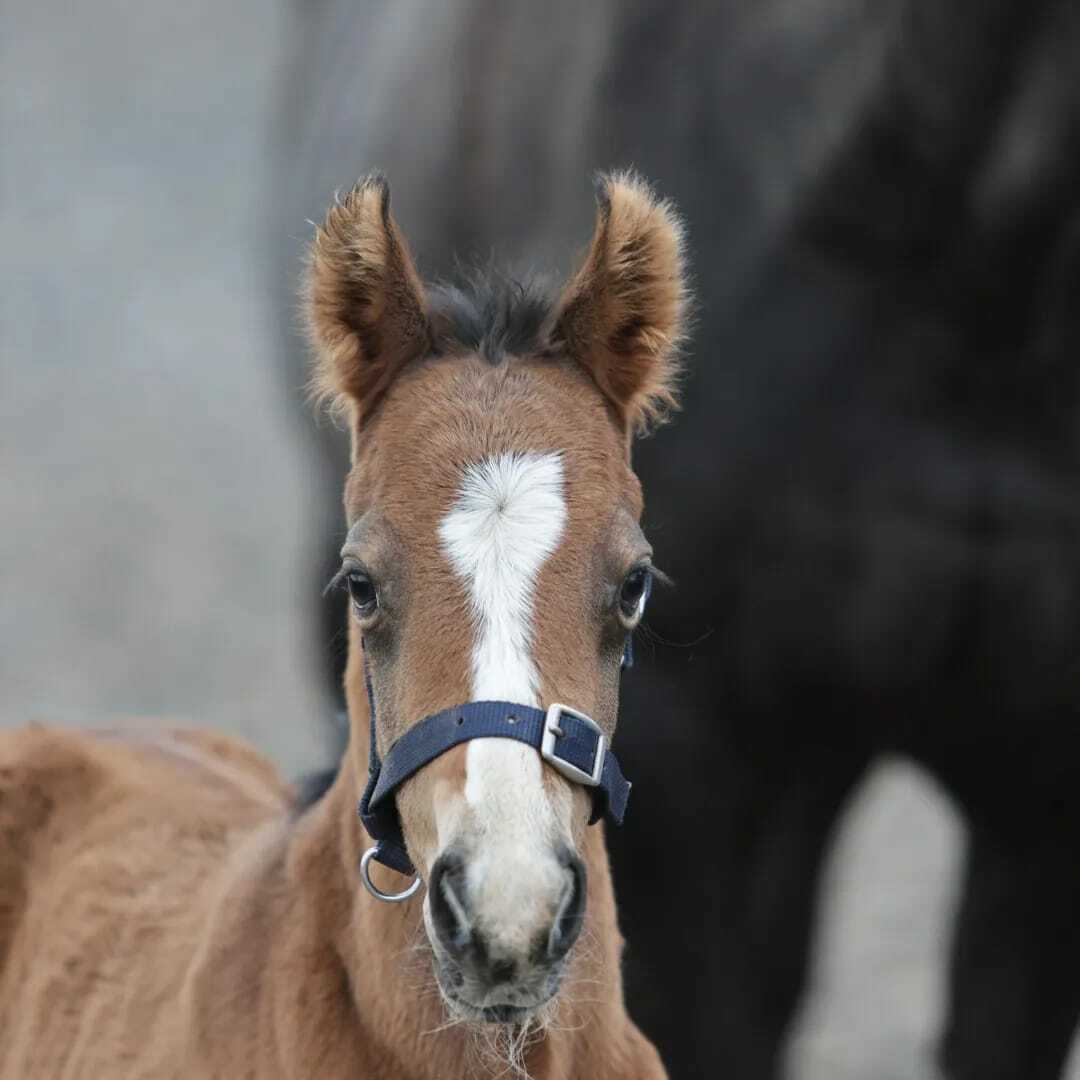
(492, 313)
(313, 786)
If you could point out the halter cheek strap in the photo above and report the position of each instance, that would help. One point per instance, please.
(571, 742)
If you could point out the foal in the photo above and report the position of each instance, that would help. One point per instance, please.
(164, 913)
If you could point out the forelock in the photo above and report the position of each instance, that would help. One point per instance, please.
(491, 313)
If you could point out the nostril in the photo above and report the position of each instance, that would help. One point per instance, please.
(571, 913)
(446, 893)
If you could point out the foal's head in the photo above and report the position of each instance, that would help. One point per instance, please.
(494, 550)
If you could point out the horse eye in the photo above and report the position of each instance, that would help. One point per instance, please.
(362, 592)
(634, 592)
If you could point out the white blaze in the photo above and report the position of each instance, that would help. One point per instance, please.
(508, 519)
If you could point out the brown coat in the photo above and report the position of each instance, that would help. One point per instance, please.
(162, 914)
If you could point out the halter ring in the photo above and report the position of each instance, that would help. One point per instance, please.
(365, 877)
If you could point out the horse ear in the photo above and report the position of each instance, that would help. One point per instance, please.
(622, 315)
(365, 303)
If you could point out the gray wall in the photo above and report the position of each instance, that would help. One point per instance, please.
(152, 490)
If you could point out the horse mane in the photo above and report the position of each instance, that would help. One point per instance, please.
(491, 313)
(312, 786)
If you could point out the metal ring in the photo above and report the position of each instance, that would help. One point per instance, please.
(365, 877)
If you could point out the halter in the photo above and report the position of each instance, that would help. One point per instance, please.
(568, 740)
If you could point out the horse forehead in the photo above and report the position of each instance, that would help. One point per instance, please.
(507, 520)
(519, 506)
(497, 520)
(456, 434)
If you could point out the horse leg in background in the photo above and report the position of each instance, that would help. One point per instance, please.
(1014, 987)
(718, 885)
(763, 893)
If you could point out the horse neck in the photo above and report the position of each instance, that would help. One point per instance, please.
(396, 1021)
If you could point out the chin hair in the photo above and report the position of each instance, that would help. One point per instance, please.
(504, 1048)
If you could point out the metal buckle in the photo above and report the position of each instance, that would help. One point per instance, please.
(552, 732)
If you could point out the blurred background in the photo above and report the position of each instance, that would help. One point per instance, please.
(169, 506)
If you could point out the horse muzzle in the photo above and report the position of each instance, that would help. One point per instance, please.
(501, 946)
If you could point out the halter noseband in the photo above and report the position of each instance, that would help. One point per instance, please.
(568, 740)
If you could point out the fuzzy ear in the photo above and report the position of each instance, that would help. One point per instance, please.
(365, 303)
(622, 316)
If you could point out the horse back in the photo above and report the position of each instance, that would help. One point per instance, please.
(111, 845)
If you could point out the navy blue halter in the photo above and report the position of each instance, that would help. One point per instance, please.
(567, 739)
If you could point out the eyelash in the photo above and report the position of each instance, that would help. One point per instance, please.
(337, 581)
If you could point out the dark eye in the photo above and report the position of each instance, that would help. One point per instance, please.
(362, 593)
(635, 592)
